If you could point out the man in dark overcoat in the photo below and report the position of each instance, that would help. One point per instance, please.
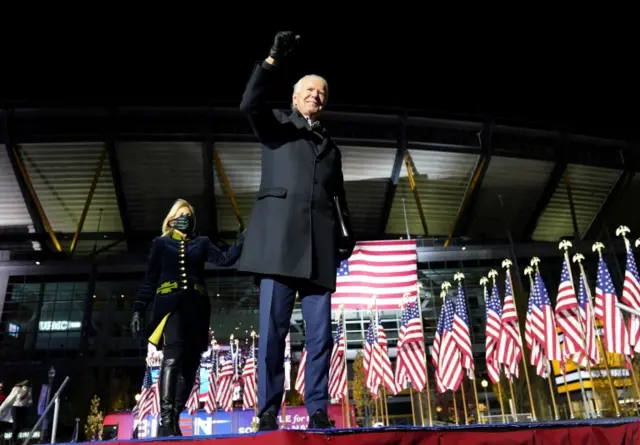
(298, 232)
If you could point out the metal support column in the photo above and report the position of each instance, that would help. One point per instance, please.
(624, 180)
(392, 185)
(466, 208)
(87, 203)
(572, 207)
(552, 184)
(114, 164)
(209, 195)
(408, 162)
(36, 212)
(227, 186)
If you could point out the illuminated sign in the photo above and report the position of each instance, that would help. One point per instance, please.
(59, 325)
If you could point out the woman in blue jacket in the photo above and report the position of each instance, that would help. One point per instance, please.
(179, 325)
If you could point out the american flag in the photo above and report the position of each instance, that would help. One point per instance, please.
(567, 317)
(337, 367)
(492, 334)
(461, 332)
(149, 402)
(590, 352)
(534, 333)
(545, 320)
(300, 384)
(616, 335)
(631, 297)
(410, 354)
(449, 363)
(226, 382)
(193, 402)
(387, 269)
(435, 351)
(210, 398)
(385, 361)
(249, 380)
(371, 363)
(510, 343)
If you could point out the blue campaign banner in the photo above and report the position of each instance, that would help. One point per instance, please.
(204, 378)
(221, 423)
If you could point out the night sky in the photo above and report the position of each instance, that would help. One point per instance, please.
(578, 84)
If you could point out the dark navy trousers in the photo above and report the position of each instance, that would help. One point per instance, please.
(277, 298)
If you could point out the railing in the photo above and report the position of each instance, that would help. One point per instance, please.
(56, 410)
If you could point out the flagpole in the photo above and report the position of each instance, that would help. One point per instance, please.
(483, 283)
(624, 357)
(346, 369)
(445, 291)
(255, 383)
(233, 360)
(599, 342)
(385, 404)
(413, 409)
(529, 271)
(493, 274)
(459, 277)
(622, 231)
(424, 356)
(343, 401)
(399, 323)
(564, 245)
(507, 264)
(443, 295)
(214, 364)
(577, 258)
(535, 261)
(504, 419)
(455, 407)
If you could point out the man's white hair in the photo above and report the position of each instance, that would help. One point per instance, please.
(298, 85)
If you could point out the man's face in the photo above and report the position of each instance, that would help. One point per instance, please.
(311, 97)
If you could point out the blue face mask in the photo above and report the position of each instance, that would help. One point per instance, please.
(183, 223)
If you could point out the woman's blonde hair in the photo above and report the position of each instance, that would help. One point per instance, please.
(167, 230)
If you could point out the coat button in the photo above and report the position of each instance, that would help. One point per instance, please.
(182, 268)
(184, 287)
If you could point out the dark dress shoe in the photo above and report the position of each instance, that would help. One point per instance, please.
(268, 422)
(320, 421)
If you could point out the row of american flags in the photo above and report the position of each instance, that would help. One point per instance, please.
(235, 371)
(228, 372)
(386, 272)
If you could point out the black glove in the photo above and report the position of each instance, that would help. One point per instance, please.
(346, 248)
(136, 324)
(283, 44)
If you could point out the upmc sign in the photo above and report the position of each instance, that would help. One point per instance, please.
(59, 325)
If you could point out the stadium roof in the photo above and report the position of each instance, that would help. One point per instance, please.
(474, 179)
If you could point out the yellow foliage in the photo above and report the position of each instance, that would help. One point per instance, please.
(93, 427)
(359, 388)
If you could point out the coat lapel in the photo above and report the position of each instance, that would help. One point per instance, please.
(321, 142)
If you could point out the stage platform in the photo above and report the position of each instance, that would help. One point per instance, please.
(596, 432)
